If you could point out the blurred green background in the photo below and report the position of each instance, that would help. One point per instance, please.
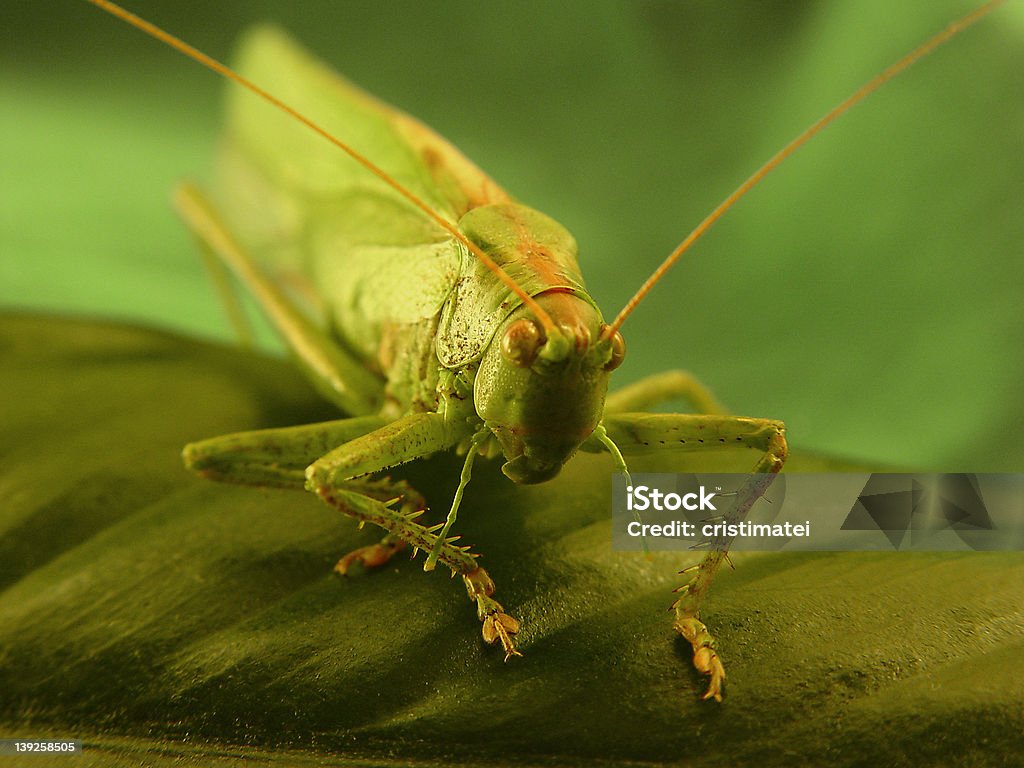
(868, 293)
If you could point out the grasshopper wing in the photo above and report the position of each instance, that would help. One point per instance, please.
(335, 234)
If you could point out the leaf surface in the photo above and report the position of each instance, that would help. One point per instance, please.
(165, 618)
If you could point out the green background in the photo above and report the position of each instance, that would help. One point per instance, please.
(868, 294)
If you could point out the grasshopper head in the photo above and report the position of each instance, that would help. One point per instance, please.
(541, 396)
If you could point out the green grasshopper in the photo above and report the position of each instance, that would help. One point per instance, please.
(491, 346)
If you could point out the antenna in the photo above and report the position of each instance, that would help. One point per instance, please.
(196, 55)
(859, 95)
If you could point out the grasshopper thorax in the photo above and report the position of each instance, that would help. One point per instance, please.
(542, 405)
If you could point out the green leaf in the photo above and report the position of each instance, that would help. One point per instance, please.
(165, 619)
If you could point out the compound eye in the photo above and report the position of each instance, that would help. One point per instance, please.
(521, 343)
(618, 352)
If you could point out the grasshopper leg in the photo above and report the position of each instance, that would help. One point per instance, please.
(410, 437)
(334, 372)
(371, 556)
(690, 432)
(309, 456)
(662, 387)
(279, 457)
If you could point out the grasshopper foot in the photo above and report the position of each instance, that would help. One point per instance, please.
(497, 625)
(372, 556)
(501, 626)
(705, 659)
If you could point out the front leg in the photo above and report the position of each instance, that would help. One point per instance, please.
(415, 436)
(335, 459)
(689, 432)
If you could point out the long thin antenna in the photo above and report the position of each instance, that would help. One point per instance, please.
(210, 63)
(859, 95)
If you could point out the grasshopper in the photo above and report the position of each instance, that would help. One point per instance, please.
(492, 347)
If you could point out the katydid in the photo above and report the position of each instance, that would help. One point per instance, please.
(491, 346)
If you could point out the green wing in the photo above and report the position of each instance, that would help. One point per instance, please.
(321, 222)
(296, 159)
